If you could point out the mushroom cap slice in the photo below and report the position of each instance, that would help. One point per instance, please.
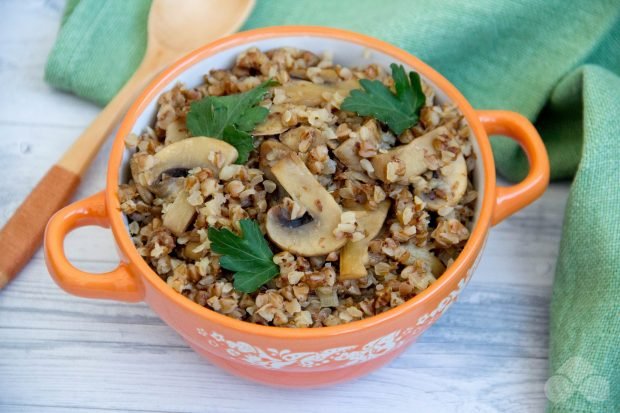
(354, 255)
(270, 152)
(417, 253)
(293, 138)
(328, 75)
(452, 182)
(303, 236)
(346, 152)
(271, 126)
(411, 156)
(167, 186)
(191, 153)
(301, 92)
(179, 214)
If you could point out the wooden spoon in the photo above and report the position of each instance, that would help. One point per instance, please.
(174, 28)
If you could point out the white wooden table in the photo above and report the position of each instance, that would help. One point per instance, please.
(60, 353)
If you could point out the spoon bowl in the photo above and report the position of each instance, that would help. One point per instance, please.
(201, 20)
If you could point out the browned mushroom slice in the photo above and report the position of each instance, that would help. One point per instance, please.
(313, 233)
(190, 153)
(418, 253)
(303, 138)
(179, 214)
(168, 185)
(411, 157)
(448, 187)
(450, 180)
(270, 152)
(301, 92)
(328, 75)
(271, 126)
(346, 152)
(354, 255)
(299, 73)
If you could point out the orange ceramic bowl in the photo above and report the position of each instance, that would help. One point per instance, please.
(283, 356)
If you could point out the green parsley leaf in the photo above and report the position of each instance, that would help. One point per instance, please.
(242, 141)
(399, 111)
(230, 118)
(251, 118)
(249, 255)
(248, 282)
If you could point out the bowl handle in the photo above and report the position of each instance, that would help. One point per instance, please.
(512, 198)
(117, 284)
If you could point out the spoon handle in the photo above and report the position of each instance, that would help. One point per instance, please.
(23, 233)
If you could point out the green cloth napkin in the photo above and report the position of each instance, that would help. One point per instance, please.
(555, 61)
(99, 46)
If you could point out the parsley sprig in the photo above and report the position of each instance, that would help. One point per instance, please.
(230, 118)
(398, 111)
(248, 255)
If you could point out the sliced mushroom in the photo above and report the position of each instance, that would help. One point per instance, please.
(176, 131)
(179, 214)
(346, 152)
(168, 185)
(190, 153)
(450, 181)
(411, 156)
(303, 138)
(328, 75)
(448, 187)
(354, 255)
(271, 126)
(313, 233)
(270, 153)
(299, 73)
(417, 253)
(301, 92)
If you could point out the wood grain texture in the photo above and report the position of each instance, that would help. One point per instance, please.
(22, 235)
(60, 353)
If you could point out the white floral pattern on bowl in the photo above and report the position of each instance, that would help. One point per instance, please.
(272, 358)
